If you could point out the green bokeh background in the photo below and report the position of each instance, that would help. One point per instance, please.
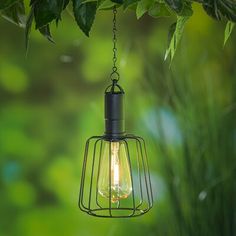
(52, 101)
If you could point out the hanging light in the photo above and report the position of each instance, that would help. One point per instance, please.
(115, 178)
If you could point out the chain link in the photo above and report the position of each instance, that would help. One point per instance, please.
(114, 75)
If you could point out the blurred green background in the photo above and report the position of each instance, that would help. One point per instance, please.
(52, 101)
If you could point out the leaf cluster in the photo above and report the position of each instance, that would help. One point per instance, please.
(44, 12)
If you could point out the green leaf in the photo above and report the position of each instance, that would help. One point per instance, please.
(228, 30)
(128, 3)
(142, 7)
(171, 32)
(84, 14)
(187, 9)
(28, 26)
(159, 10)
(221, 8)
(175, 5)
(175, 35)
(66, 2)
(105, 5)
(45, 31)
(15, 13)
(63, 5)
(7, 3)
(46, 11)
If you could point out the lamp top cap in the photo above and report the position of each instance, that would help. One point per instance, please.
(114, 88)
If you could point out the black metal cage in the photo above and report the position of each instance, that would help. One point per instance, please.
(115, 178)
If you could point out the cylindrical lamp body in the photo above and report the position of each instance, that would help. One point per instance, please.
(114, 115)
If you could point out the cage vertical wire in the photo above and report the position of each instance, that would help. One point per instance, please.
(120, 186)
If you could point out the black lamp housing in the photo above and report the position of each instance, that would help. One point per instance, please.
(114, 113)
(98, 161)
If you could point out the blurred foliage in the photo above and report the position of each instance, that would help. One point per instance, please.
(52, 101)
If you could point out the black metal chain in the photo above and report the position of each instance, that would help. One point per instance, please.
(115, 76)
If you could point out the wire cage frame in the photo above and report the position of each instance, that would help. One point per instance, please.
(139, 201)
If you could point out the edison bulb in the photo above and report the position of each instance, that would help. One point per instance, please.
(114, 174)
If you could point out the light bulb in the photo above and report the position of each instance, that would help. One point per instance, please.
(114, 175)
